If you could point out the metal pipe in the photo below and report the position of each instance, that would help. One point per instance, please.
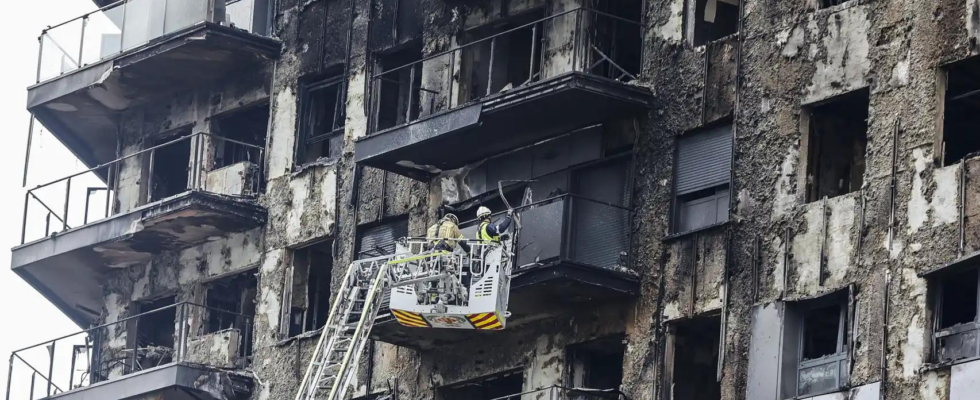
(23, 224)
(180, 332)
(10, 374)
(411, 82)
(108, 191)
(51, 366)
(823, 242)
(196, 151)
(88, 196)
(64, 222)
(884, 337)
(961, 207)
(894, 185)
(136, 344)
(33, 376)
(493, 49)
(149, 178)
(47, 225)
(534, 51)
(27, 156)
(40, 54)
(71, 372)
(81, 43)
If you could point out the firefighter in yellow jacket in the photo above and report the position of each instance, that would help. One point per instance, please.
(445, 234)
(490, 231)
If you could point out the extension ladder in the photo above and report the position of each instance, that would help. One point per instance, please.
(341, 342)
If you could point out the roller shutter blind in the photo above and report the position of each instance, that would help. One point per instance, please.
(380, 239)
(704, 160)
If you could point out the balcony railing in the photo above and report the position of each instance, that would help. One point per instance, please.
(570, 228)
(563, 393)
(128, 24)
(182, 332)
(451, 79)
(91, 195)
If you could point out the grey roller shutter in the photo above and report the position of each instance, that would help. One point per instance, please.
(704, 160)
(380, 239)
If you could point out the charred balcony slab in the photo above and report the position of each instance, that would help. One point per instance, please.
(178, 381)
(96, 66)
(572, 254)
(499, 123)
(68, 267)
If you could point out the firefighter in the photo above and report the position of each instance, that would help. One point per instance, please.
(490, 231)
(445, 234)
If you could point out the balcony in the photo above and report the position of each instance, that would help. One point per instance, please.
(77, 228)
(571, 252)
(543, 78)
(147, 354)
(134, 52)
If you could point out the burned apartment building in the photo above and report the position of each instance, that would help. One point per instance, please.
(719, 199)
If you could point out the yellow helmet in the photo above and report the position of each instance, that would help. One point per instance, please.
(483, 212)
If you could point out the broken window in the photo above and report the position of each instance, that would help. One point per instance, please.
(247, 126)
(616, 37)
(379, 239)
(691, 360)
(170, 167)
(322, 118)
(710, 20)
(597, 364)
(506, 386)
(310, 296)
(154, 339)
(956, 327)
(503, 61)
(701, 179)
(837, 139)
(960, 104)
(231, 305)
(252, 15)
(399, 90)
(816, 345)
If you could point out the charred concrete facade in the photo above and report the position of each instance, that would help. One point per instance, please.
(792, 185)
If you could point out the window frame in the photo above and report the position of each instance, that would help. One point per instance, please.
(840, 356)
(938, 334)
(289, 293)
(675, 199)
(308, 88)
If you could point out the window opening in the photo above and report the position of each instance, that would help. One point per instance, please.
(505, 386)
(694, 357)
(597, 364)
(310, 303)
(497, 65)
(837, 144)
(702, 175)
(154, 333)
(961, 104)
(712, 20)
(322, 121)
(231, 305)
(171, 167)
(956, 327)
(820, 328)
(246, 126)
(400, 90)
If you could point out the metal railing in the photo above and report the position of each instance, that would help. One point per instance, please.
(457, 77)
(569, 228)
(69, 206)
(128, 24)
(563, 393)
(182, 332)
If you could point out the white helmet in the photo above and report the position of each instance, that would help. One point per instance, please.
(483, 212)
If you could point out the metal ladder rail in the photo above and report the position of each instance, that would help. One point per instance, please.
(327, 336)
(360, 338)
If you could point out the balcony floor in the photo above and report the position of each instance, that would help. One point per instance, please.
(81, 107)
(536, 293)
(176, 381)
(499, 123)
(67, 267)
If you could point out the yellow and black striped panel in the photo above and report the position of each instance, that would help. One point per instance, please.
(487, 321)
(408, 318)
